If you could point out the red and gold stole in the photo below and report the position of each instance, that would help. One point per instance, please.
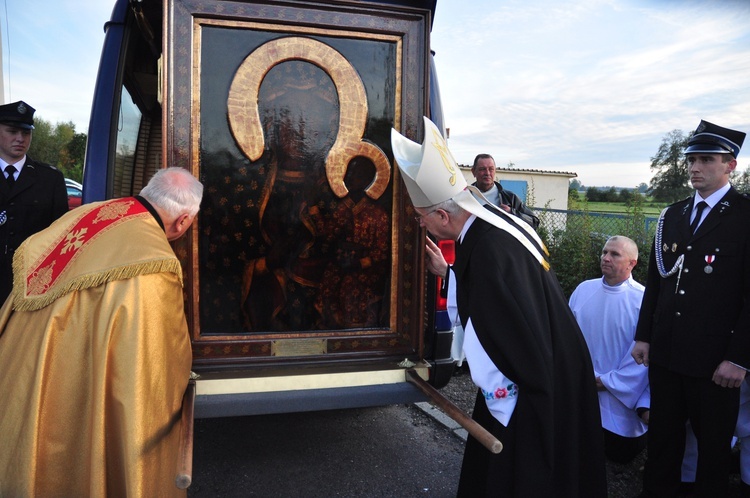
(45, 271)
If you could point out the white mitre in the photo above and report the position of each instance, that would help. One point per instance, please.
(432, 176)
(429, 171)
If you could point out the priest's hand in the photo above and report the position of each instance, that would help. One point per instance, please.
(640, 352)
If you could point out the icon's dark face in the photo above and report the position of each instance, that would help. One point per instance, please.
(299, 108)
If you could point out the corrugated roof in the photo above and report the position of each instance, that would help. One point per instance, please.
(522, 170)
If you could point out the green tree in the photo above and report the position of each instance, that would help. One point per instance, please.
(593, 194)
(573, 197)
(670, 183)
(575, 184)
(626, 195)
(611, 195)
(635, 228)
(42, 147)
(741, 180)
(60, 146)
(75, 152)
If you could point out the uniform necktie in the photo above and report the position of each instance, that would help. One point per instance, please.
(10, 170)
(699, 211)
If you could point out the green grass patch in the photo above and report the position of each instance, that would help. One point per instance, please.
(649, 209)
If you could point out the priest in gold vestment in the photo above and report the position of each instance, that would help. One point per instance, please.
(94, 349)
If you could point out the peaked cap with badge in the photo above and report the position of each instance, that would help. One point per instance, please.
(18, 114)
(709, 138)
(432, 176)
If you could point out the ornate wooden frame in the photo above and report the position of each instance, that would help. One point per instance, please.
(303, 26)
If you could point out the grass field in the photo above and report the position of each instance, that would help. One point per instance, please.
(649, 209)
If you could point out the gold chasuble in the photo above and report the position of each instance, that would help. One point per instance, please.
(94, 358)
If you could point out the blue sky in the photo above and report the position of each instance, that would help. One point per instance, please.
(590, 86)
(51, 51)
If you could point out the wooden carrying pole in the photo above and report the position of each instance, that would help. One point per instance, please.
(185, 455)
(480, 433)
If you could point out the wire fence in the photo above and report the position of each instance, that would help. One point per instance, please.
(607, 224)
(575, 240)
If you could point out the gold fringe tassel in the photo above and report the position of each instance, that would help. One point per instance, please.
(33, 303)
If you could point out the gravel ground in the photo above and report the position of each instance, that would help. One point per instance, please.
(623, 480)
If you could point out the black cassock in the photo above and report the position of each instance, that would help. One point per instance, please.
(553, 444)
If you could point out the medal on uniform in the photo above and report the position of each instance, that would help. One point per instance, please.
(709, 259)
(674, 246)
(3, 218)
(666, 248)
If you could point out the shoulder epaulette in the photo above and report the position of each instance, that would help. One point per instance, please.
(680, 201)
(31, 162)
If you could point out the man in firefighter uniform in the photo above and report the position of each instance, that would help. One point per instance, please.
(32, 194)
(694, 326)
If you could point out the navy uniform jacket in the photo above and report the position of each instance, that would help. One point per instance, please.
(694, 326)
(38, 198)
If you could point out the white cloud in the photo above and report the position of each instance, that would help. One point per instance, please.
(550, 86)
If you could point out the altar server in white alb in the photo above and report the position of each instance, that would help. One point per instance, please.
(607, 311)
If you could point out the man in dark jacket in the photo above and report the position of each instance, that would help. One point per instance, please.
(32, 194)
(694, 326)
(483, 170)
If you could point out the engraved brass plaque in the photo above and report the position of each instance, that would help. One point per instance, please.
(299, 347)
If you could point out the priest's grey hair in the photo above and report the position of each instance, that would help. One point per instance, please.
(448, 206)
(175, 190)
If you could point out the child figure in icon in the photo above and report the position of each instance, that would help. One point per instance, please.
(355, 281)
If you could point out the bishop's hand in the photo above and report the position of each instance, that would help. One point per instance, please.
(436, 263)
